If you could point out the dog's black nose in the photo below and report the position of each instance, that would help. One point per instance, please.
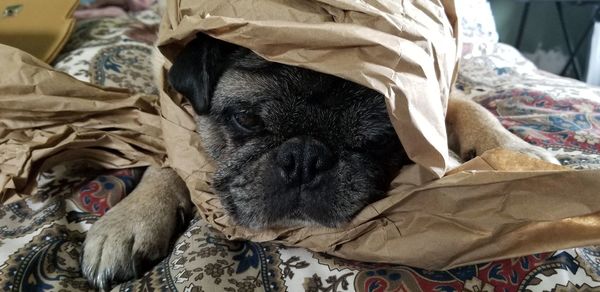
(302, 159)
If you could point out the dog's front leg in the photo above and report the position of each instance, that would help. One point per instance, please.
(136, 233)
(473, 130)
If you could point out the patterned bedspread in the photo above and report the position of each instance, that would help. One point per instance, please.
(40, 237)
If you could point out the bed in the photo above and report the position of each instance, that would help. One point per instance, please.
(41, 236)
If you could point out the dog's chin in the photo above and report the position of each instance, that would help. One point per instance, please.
(296, 220)
(289, 223)
(291, 210)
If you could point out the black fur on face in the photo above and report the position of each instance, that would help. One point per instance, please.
(291, 146)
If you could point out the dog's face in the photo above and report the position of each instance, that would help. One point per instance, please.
(291, 146)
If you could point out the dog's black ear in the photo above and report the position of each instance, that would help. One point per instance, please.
(197, 69)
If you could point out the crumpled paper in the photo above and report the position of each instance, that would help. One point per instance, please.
(407, 50)
(499, 205)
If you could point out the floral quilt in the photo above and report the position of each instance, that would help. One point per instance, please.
(41, 236)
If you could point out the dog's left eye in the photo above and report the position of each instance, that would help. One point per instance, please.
(248, 122)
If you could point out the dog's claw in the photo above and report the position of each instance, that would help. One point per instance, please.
(141, 263)
(101, 283)
(95, 280)
(135, 267)
(90, 271)
(183, 218)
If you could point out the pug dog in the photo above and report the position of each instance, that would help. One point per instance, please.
(291, 147)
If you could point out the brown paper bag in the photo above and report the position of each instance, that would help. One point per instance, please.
(499, 205)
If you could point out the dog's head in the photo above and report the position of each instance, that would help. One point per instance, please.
(291, 146)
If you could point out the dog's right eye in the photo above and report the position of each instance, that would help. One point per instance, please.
(248, 122)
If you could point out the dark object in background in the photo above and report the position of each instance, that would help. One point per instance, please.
(572, 51)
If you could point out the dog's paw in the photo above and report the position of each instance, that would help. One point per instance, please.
(535, 152)
(124, 244)
(513, 143)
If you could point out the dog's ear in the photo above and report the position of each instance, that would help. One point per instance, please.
(197, 69)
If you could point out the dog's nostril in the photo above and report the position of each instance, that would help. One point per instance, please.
(287, 161)
(317, 158)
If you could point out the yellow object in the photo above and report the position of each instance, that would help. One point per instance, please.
(38, 27)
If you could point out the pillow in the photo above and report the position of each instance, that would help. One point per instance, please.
(476, 21)
(477, 28)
